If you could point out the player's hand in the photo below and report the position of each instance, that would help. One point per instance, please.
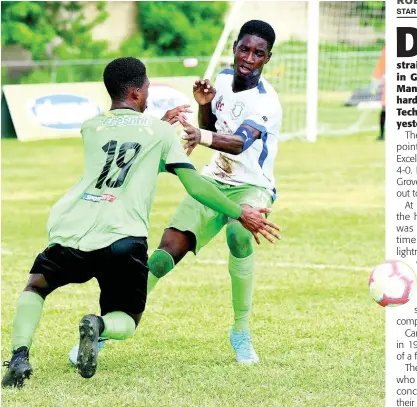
(203, 92)
(192, 136)
(254, 220)
(174, 115)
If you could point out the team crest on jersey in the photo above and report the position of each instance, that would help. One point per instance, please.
(237, 109)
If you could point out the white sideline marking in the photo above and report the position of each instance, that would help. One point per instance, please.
(294, 265)
(305, 266)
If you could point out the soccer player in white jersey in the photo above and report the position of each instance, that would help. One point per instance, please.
(240, 117)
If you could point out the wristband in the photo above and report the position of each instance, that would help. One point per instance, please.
(206, 138)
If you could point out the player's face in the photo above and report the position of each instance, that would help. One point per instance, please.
(251, 54)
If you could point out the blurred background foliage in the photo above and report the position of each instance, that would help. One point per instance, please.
(180, 28)
(56, 30)
(370, 12)
(59, 30)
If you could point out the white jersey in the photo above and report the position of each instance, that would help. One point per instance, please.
(258, 107)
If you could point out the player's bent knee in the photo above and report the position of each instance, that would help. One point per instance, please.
(38, 285)
(160, 263)
(177, 243)
(130, 327)
(239, 240)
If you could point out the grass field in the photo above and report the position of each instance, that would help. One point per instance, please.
(319, 336)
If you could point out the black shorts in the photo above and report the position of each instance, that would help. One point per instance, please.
(121, 270)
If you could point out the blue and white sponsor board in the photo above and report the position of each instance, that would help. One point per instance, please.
(48, 111)
(62, 111)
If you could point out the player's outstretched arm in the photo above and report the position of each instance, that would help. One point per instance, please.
(206, 193)
(234, 144)
(174, 115)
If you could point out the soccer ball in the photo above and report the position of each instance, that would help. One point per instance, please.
(190, 62)
(392, 283)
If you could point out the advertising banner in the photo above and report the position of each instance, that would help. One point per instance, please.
(46, 111)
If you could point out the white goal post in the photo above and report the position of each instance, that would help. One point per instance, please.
(313, 18)
(322, 62)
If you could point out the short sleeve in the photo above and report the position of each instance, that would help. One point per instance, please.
(267, 119)
(174, 155)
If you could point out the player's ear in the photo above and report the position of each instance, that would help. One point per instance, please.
(234, 47)
(136, 93)
(268, 57)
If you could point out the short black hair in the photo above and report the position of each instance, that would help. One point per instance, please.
(121, 74)
(260, 29)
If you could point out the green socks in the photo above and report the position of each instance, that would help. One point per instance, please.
(26, 319)
(241, 273)
(152, 281)
(118, 325)
(241, 266)
(160, 264)
(240, 269)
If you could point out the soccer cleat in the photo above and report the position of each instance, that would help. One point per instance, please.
(88, 346)
(242, 344)
(73, 354)
(18, 369)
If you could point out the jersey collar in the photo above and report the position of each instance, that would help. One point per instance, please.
(122, 110)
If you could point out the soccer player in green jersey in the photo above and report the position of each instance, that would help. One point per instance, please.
(99, 228)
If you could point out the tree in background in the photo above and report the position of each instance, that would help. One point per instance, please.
(370, 13)
(35, 24)
(58, 30)
(53, 29)
(177, 28)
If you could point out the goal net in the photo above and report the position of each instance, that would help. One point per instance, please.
(322, 63)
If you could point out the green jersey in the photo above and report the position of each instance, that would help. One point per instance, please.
(124, 151)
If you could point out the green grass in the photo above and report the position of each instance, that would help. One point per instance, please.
(319, 336)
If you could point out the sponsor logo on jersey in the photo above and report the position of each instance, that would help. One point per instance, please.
(63, 111)
(129, 120)
(98, 198)
(108, 197)
(91, 197)
(220, 104)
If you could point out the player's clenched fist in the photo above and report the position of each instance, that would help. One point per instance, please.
(203, 92)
